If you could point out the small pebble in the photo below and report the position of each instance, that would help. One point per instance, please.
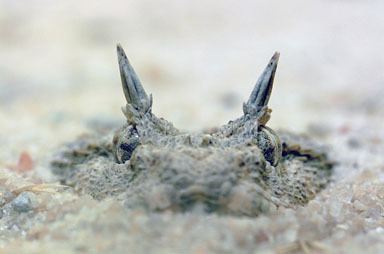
(22, 203)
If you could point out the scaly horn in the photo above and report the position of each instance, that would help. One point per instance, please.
(133, 90)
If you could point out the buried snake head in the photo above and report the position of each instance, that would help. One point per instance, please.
(240, 169)
(199, 170)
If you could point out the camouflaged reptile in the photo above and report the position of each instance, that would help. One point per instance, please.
(242, 168)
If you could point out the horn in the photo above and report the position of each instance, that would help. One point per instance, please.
(133, 90)
(262, 91)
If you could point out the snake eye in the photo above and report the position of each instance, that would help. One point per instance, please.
(124, 143)
(270, 144)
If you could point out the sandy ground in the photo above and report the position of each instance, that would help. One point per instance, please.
(59, 78)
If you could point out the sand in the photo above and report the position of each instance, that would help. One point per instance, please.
(59, 79)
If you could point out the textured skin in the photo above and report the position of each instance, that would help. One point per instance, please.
(243, 168)
(223, 172)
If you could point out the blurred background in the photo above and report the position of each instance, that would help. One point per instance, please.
(200, 59)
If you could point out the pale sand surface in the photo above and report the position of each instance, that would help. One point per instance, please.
(59, 78)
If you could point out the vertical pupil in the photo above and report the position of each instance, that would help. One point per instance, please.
(269, 155)
(128, 149)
